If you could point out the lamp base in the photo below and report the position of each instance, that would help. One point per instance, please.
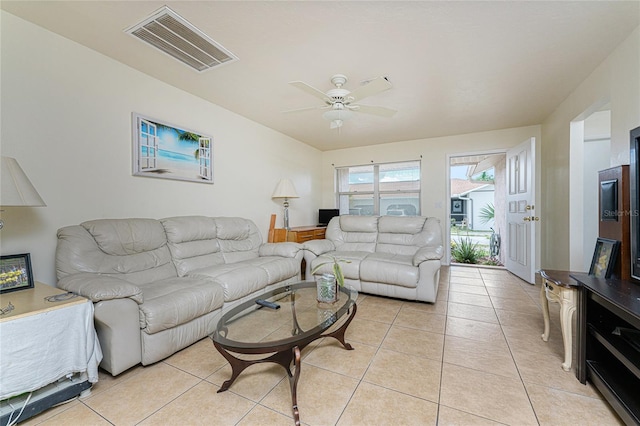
(286, 214)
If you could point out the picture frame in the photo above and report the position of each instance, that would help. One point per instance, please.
(604, 257)
(165, 151)
(15, 272)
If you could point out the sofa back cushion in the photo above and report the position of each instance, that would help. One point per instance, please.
(197, 242)
(131, 249)
(193, 242)
(405, 235)
(353, 233)
(239, 238)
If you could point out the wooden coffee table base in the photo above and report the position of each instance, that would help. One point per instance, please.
(285, 356)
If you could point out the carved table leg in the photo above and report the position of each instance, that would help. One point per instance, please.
(545, 310)
(567, 308)
(293, 381)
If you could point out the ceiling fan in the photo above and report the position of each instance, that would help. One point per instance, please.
(341, 103)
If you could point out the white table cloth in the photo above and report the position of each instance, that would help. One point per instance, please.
(39, 349)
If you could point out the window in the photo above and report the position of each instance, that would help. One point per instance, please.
(380, 189)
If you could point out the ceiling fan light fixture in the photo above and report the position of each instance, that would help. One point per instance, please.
(337, 114)
(336, 124)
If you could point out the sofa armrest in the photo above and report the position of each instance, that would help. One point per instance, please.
(318, 247)
(97, 287)
(427, 253)
(280, 249)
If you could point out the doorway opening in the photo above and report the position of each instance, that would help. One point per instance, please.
(590, 152)
(477, 209)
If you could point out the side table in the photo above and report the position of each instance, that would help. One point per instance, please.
(559, 287)
(300, 234)
(49, 351)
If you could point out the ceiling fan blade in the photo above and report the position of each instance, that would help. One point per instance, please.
(309, 89)
(374, 110)
(374, 87)
(305, 109)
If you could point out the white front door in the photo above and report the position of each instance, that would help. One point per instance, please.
(520, 258)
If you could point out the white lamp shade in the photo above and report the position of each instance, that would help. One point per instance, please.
(15, 187)
(285, 189)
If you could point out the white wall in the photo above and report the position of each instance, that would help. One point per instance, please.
(66, 117)
(481, 198)
(596, 158)
(597, 152)
(434, 153)
(616, 80)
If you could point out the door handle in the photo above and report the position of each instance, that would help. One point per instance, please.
(531, 219)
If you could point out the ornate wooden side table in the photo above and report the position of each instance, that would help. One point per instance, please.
(559, 287)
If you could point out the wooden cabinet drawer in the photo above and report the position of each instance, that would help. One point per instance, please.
(305, 234)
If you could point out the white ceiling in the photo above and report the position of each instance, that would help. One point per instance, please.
(456, 66)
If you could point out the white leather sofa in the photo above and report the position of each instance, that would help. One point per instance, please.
(387, 255)
(157, 284)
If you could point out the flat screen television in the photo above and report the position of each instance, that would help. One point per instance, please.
(325, 215)
(634, 185)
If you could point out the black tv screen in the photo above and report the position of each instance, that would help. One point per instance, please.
(325, 215)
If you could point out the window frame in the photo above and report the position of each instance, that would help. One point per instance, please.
(376, 193)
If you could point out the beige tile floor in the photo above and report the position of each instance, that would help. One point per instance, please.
(475, 357)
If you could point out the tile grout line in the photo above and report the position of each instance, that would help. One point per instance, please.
(513, 358)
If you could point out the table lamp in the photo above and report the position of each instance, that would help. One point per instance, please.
(286, 190)
(16, 190)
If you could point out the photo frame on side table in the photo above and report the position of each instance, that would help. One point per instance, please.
(604, 257)
(15, 272)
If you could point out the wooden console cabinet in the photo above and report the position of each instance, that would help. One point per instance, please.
(615, 224)
(609, 341)
(306, 233)
(299, 234)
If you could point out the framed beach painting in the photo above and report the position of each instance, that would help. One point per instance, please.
(15, 272)
(166, 151)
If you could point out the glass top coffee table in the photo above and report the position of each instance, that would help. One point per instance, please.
(280, 334)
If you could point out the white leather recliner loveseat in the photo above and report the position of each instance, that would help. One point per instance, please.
(387, 255)
(157, 284)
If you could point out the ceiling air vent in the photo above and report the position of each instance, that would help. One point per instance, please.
(171, 33)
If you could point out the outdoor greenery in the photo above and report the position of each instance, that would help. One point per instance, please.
(465, 251)
(469, 247)
(487, 213)
(484, 177)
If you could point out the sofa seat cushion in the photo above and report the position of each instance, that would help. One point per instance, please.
(175, 301)
(350, 268)
(277, 268)
(388, 268)
(236, 279)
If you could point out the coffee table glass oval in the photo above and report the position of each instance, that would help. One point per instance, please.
(250, 328)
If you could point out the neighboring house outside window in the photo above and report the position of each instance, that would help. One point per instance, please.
(379, 189)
